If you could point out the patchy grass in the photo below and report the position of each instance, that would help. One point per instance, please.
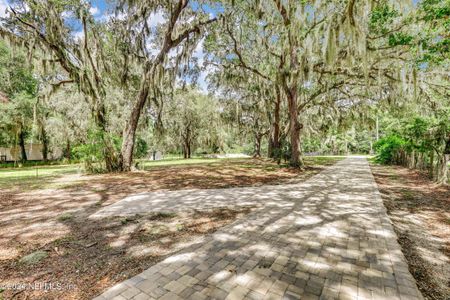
(420, 212)
(65, 216)
(90, 256)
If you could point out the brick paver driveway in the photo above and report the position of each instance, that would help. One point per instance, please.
(326, 238)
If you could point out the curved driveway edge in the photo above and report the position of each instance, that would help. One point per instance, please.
(326, 238)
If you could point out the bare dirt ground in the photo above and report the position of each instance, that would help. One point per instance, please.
(83, 257)
(420, 212)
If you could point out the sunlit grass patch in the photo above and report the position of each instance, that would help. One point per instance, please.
(147, 164)
(38, 177)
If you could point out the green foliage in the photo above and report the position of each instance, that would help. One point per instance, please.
(356, 55)
(435, 9)
(20, 87)
(284, 152)
(418, 142)
(92, 152)
(190, 121)
(415, 131)
(399, 38)
(16, 117)
(15, 73)
(141, 148)
(339, 142)
(387, 148)
(433, 39)
(382, 17)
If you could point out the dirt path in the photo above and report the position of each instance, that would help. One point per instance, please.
(327, 237)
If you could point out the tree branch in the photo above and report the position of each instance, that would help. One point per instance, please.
(240, 57)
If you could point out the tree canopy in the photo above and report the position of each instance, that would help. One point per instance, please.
(284, 78)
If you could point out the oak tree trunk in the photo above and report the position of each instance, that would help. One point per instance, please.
(431, 167)
(184, 151)
(44, 144)
(442, 174)
(67, 151)
(187, 149)
(274, 142)
(129, 134)
(23, 153)
(258, 138)
(109, 154)
(295, 127)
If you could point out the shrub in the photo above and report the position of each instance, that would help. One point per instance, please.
(92, 153)
(141, 148)
(387, 147)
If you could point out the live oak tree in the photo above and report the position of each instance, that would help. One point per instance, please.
(246, 106)
(283, 71)
(324, 56)
(18, 110)
(301, 49)
(433, 59)
(68, 124)
(139, 49)
(179, 34)
(46, 29)
(16, 118)
(191, 119)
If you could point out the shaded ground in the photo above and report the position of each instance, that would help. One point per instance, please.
(95, 255)
(87, 256)
(420, 212)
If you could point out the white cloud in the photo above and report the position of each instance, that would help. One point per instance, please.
(67, 14)
(202, 84)
(94, 10)
(200, 55)
(3, 7)
(79, 35)
(155, 19)
(198, 52)
(108, 16)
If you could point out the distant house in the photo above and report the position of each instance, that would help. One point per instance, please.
(34, 152)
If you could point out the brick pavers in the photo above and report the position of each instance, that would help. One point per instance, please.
(326, 238)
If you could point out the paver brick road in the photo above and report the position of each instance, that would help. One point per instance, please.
(326, 238)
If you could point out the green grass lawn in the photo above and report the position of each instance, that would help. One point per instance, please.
(178, 161)
(146, 164)
(40, 176)
(44, 176)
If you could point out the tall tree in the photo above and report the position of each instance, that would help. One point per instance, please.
(191, 119)
(180, 32)
(18, 113)
(49, 25)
